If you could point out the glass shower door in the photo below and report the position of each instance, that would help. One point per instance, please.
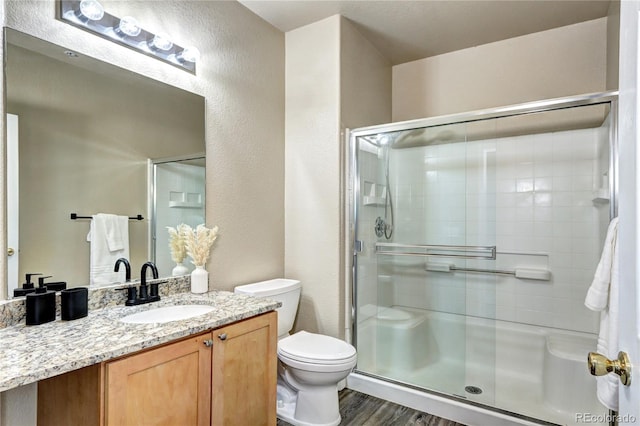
(477, 238)
(412, 300)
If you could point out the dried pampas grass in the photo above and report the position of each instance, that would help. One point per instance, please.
(177, 242)
(198, 243)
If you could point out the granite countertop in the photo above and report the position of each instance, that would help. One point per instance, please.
(32, 353)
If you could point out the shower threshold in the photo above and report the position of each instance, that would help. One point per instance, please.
(449, 407)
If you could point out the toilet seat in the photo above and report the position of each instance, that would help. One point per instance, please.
(318, 349)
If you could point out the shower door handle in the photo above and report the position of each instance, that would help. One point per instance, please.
(599, 365)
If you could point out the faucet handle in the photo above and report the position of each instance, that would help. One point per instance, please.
(131, 294)
(153, 291)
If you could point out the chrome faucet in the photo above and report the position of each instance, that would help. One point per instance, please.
(127, 268)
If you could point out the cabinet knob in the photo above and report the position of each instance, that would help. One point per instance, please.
(222, 336)
(208, 343)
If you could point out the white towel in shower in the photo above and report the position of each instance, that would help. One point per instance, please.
(109, 238)
(602, 296)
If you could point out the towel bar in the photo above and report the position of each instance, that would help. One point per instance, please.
(75, 216)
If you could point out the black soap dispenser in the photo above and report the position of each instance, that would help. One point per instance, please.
(55, 286)
(41, 305)
(27, 287)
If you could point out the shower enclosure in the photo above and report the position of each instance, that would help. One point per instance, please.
(476, 237)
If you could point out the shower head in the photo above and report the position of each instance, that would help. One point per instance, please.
(412, 138)
(426, 136)
(380, 140)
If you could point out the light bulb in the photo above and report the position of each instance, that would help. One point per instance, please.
(92, 9)
(189, 54)
(129, 26)
(161, 42)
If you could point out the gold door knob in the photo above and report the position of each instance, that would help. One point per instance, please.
(599, 365)
(10, 251)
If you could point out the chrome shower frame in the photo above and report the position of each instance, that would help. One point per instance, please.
(353, 173)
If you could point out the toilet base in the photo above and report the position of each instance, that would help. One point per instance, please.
(286, 408)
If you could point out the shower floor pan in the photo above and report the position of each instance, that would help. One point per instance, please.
(531, 371)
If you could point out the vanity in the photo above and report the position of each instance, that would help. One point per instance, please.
(216, 368)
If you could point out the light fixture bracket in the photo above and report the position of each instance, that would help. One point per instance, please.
(107, 27)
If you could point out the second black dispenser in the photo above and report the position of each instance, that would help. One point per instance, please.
(41, 305)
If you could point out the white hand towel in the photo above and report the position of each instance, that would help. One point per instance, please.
(109, 238)
(603, 296)
(114, 227)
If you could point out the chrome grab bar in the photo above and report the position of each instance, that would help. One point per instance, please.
(484, 271)
(540, 274)
(435, 250)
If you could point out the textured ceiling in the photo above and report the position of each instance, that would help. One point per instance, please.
(404, 31)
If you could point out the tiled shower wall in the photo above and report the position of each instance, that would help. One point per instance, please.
(530, 196)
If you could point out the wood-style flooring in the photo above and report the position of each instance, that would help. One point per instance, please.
(358, 409)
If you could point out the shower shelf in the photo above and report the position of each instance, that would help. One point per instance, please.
(185, 204)
(463, 252)
(601, 196)
(185, 200)
(376, 194)
(373, 201)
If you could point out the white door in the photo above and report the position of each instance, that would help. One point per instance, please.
(629, 210)
(12, 203)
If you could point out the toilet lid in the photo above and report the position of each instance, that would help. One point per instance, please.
(317, 348)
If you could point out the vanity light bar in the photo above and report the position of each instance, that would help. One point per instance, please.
(90, 15)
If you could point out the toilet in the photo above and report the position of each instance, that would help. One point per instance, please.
(310, 365)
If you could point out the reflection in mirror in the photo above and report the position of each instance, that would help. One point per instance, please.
(177, 197)
(86, 132)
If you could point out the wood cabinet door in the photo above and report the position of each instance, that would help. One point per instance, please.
(170, 385)
(245, 372)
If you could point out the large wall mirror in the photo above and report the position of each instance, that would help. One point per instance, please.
(88, 137)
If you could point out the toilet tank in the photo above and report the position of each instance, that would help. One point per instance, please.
(285, 291)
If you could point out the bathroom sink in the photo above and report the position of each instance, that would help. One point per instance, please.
(167, 314)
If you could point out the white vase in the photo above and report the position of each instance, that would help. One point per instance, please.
(199, 280)
(179, 269)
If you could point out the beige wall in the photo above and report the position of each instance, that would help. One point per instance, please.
(312, 170)
(334, 78)
(365, 80)
(566, 61)
(241, 76)
(613, 45)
